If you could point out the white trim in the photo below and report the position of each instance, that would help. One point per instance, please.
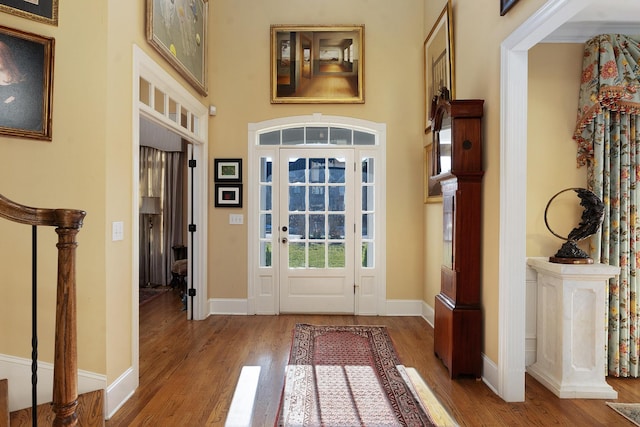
(490, 373)
(398, 307)
(428, 314)
(120, 391)
(513, 185)
(266, 301)
(231, 306)
(17, 371)
(144, 66)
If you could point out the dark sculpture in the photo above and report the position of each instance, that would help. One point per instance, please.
(592, 217)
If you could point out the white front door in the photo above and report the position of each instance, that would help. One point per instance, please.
(316, 230)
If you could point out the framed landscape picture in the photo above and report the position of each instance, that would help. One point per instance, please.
(37, 10)
(178, 31)
(26, 96)
(228, 170)
(317, 64)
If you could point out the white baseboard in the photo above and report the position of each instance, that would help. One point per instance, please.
(490, 374)
(240, 307)
(428, 313)
(18, 373)
(120, 391)
(228, 306)
(398, 307)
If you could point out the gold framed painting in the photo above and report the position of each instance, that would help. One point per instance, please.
(26, 97)
(37, 10)
(438, 62)
(432, 189)
(178, 31)
(317, 64)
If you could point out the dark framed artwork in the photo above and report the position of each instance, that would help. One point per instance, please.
(317, 64)
(438, 62)
(37, 10)
(228, 195)
(179, 34)
(505, 5)
(228, 170)
(26, 96)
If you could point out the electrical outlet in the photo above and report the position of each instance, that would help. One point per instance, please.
(236, 219)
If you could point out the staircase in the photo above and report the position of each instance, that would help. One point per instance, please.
(67, 408)
(90, 410)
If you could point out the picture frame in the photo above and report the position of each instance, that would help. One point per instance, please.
(181, 39)
(317, 64)
(45, 11)
(228, 195)
(228, 170)
(438, 62)
(505, 5)
(26, 103)
(432, 189)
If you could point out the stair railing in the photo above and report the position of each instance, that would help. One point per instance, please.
(65, 368)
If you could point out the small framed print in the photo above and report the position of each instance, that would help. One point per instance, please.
(228, 170)
(228, 196)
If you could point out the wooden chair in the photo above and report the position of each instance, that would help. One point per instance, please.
(179, 270)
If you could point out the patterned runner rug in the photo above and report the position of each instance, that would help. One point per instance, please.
(630, 411)
(348, 376)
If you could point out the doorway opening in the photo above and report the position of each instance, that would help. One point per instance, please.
(160, 99)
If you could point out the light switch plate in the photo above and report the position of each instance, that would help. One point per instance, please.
(117, 231)
(236, 219)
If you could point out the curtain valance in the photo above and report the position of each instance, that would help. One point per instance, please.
(610, 80)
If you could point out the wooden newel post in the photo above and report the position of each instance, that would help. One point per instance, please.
(65, 368)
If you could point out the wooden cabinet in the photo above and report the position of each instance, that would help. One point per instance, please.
(458, 315)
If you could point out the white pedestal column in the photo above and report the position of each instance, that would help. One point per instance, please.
(571, 325)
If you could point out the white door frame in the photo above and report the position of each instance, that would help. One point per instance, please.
(510, 382)
(145, 67)
(262, 287)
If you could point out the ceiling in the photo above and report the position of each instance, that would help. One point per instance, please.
(600, 17)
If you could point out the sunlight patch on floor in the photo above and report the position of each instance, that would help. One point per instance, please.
(241, 409)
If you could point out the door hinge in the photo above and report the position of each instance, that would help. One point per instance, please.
(192, 163)
(191, 292)
(192, 228)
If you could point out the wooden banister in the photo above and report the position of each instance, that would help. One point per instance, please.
(65, 369)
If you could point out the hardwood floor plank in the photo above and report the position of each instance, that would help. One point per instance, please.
(189, 371)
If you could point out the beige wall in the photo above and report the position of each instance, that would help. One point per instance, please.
(478, 33)
(239, 76)
(88, 165)
(68, 172)
(554, 84)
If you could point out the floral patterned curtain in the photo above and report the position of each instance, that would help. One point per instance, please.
(608, 137)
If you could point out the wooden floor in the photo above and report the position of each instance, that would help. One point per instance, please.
(189, 370)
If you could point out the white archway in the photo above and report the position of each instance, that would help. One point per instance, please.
(510, 383)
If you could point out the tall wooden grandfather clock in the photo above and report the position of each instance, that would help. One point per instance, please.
(457, 127)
